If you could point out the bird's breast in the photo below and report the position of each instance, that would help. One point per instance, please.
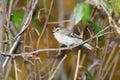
(64, 39)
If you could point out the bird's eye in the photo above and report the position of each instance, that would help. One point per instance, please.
(57, 29)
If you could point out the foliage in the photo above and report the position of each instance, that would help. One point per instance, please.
(40, 57)
(97, 29)
(17, 18)
(81, 12)
(88, 73)
(36, 24)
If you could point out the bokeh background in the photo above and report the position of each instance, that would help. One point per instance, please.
(38, 56)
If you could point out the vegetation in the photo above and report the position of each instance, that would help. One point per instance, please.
(29, 51)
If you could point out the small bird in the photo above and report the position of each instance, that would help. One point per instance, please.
(68, 37)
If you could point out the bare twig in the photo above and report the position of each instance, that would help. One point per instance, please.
(18, 37)
(15, 66)
(30, 73)
(108, 61)
(12, 28)
(57, 67)
(51, 49)
(5, 41)
(10, 65)
(91, 67)
(3, 7)
(9, 16)
(114, 66)
(53, 68)
(58, 22)
(77, 65)
(45, 24)
(60, 12)
(103, 56)
(28, 19)
(111, 20)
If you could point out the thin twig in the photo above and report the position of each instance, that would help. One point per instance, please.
(77, 65)
(49, 49)
(18, 37)
(105, 68)
(91, 67)
(15, 66)
(60, 12)
(103, 60)
(58, 22)
(5, 41)
(13, 29)
(111, 20)
(51, 77)
(9, 17)
(10, 65)
(114, 66)
(45, 25)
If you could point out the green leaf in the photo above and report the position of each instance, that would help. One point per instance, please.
(97, 29)
(51, 18)
(86, 12)
(81, 12)
(36, 23)
(87, 72)
(108, 6)
(43, 12)
(95, 26)
(17, 18)
(113, 6)
(116, 7)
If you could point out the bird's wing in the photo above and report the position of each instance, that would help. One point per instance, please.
(74, 35)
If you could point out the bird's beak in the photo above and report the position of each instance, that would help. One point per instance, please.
(53, 31)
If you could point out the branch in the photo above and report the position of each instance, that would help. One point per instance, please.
(52, 49)
(18, 37)
(111, 20)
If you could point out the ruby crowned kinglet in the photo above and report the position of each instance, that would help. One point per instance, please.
(68, 38)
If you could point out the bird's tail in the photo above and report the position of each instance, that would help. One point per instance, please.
(88, 46)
